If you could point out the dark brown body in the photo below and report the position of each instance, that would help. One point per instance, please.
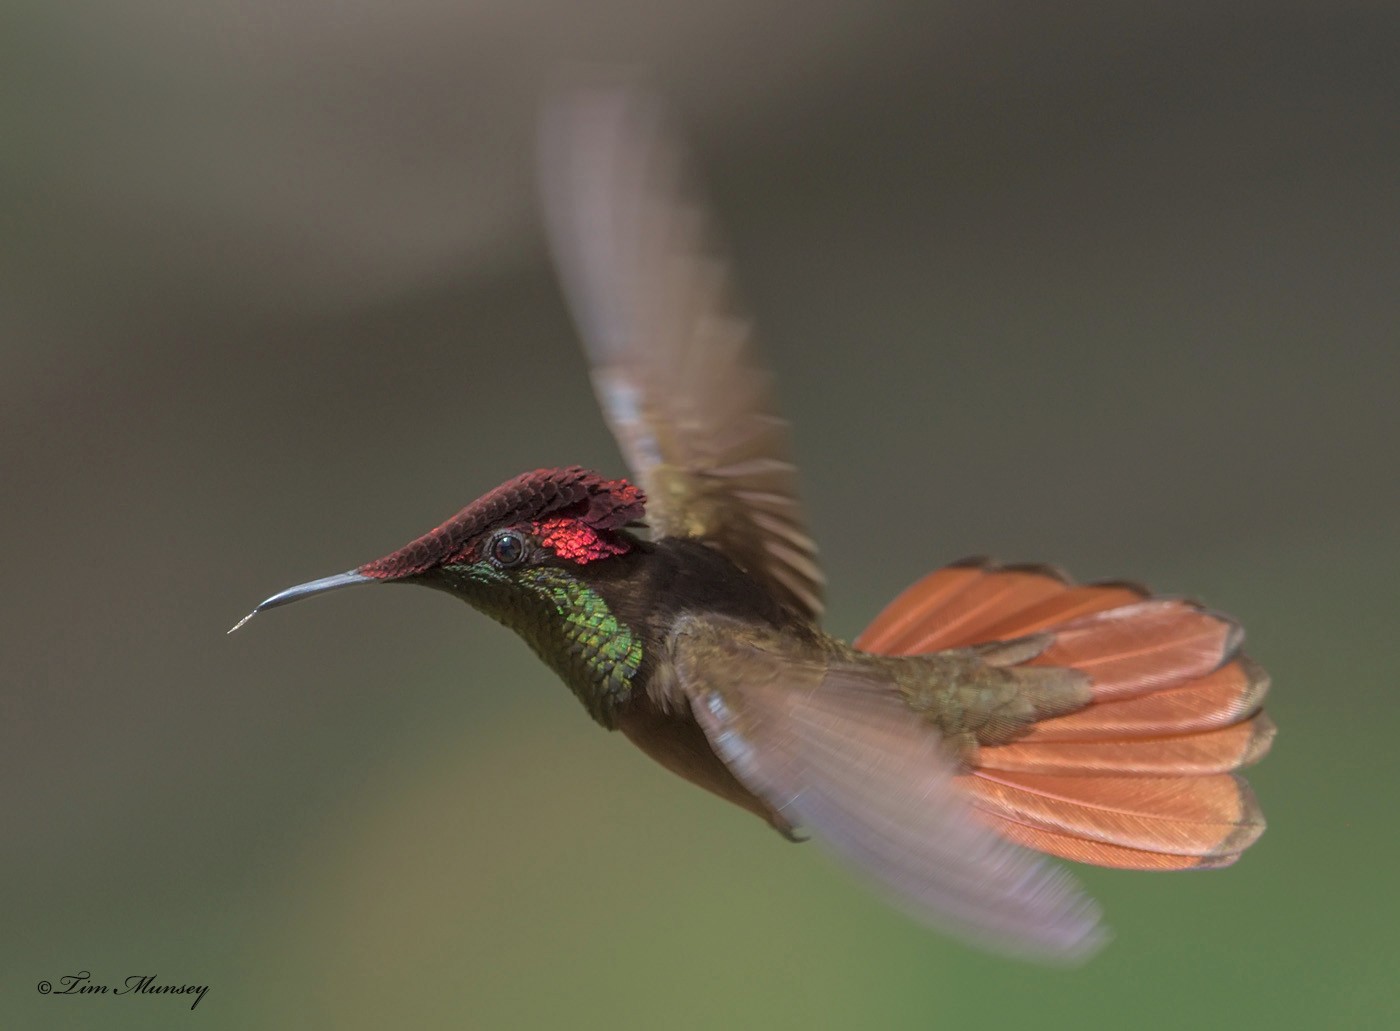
(653, 588)
(656, 587)
(678, 588)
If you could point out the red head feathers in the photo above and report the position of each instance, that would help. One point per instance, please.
(573, 511)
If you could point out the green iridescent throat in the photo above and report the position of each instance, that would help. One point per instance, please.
(565, 621)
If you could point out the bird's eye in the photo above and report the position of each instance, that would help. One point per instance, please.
(508, 548)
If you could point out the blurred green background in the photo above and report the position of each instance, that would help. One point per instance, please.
(1109, 285)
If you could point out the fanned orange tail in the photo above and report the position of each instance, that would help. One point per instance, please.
(1141, 778)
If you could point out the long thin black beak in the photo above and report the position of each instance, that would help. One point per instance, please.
(326, 583)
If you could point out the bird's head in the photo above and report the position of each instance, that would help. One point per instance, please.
(533, 530)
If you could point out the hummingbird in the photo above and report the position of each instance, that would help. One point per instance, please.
(990, 715)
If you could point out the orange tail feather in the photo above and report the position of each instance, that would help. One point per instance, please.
(1203, 817)
(1144, 647)
(1141, 777)
(1214, 751)
(1082, 850)
(1221, 699)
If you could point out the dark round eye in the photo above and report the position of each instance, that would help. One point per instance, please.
(507, 548)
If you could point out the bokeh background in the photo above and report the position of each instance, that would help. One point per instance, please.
(1109, 285)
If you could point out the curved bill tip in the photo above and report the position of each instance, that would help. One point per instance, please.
(326, 583)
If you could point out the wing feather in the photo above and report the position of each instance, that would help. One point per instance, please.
(673, 361)
(836, 750)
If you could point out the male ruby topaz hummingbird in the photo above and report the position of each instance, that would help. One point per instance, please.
(988, 713)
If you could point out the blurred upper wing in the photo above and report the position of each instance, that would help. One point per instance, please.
(835, 749)
(673, 362)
